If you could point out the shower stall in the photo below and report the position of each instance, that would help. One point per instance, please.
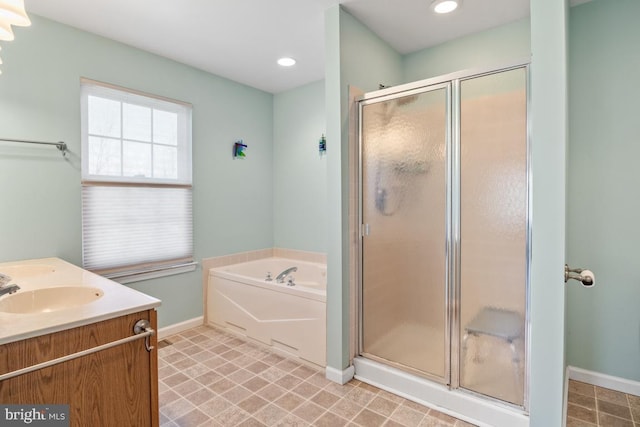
(444, 241)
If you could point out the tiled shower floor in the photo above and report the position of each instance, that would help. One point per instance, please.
(209, 378)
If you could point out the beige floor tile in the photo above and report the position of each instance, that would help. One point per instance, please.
(415, 406)
(240, 376)
(193, 418)
(429, 421)
(199, 397)
(306, 390)
(368, 418)
(188, 387)
(573, 422)
(309, 411)
(606, 420)
(232, 416)
(271, 415)
(443, 417)
(288, 382)
(251, 422)
(581, 413)
(382, 406)
(291, 420)
(340, 390)
(346, 409)
(175, 379)
(257, 367)
(195, 371)
(222, 385)
(167, 397)
(236, 394)
(272, 374)
(227, 368)
(303, 372)
(215, 406)
(360, 396)
(325, 399)
(253, 404)
(613, 409)
(582, 400)
(177, 408)
(254, 384)
(271, 392)
(582, 388)
(330, 420)
(612, 396)
(289, 401)
(460, 423)
(209, 378)
(407, 416)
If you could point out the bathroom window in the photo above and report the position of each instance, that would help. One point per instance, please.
(137, 220)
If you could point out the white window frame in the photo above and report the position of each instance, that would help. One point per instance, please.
(94, 186)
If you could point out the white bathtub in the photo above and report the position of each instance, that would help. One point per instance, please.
(288, 318)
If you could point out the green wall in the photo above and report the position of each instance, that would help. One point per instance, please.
(603, 323)
(40, 99)
(490, 48)
(299, 170)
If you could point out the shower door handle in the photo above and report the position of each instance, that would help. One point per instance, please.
(364, 230)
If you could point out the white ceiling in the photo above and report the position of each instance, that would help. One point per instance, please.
(241, 39)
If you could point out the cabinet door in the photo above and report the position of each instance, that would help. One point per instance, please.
(113, 387)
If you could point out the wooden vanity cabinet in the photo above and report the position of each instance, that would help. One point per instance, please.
(113, 387)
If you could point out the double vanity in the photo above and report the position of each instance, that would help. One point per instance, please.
(71, 337)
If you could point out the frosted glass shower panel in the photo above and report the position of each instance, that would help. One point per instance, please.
(493, 231)
(404, 207)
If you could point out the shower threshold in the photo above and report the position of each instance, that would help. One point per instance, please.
(458, 403)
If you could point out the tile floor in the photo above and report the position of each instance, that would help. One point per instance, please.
(209, 378)
(590, 406)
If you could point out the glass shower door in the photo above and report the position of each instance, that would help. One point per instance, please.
(493, 234)
(404, 171)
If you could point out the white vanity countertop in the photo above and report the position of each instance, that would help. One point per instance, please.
(118, 300)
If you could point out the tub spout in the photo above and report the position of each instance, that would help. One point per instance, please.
(280, 277)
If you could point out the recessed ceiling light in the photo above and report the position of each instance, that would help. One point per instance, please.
(445, 6)
(286, 62)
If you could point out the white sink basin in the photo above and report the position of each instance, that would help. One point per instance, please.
(27, 270)
(49, 299)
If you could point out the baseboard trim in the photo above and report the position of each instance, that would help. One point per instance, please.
(180, 327)
(604, 380)
(339, 376)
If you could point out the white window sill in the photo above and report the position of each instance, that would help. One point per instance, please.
(138, 276)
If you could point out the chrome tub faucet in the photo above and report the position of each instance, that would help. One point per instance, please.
(280, 277)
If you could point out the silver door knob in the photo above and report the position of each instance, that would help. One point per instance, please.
(580, 274)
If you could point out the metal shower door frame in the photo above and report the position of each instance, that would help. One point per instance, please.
(367, 100)
(453, 191)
